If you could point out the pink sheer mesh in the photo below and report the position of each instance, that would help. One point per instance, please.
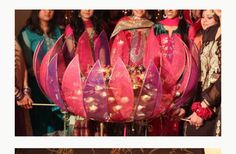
(61, 63)
(52, 84)
(121, 102)
(195, 53)
(101, 45)
(95, 95)
(85, 53)
(39, 53)
(72, 88)
(57, 47)
(150, 94)
(173, 55)
(189, 82)
(153, 48)
(120, 48)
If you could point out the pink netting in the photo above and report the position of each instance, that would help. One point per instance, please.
(52, 84)
(95, 94)
(121, 99)
(150, 95)
(72, 88)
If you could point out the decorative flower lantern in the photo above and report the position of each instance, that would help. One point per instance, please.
(112, 97)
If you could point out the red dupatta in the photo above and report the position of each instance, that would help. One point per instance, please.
(194, 26)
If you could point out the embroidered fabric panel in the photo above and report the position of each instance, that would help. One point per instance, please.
(210, 63)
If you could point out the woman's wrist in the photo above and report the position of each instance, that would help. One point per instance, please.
(18, 94)
(205, 103)
(202, 110)
(27, 91)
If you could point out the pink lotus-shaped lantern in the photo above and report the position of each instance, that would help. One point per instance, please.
(95, 97)
(177, 65)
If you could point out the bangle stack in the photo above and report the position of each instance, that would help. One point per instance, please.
(27, 91)
(18, 94)
(204, 113)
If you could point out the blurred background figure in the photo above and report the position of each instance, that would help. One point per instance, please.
(40, 26)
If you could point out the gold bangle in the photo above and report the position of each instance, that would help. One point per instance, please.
(206, 102)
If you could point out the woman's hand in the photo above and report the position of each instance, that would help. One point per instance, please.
(25, 102)
(194, 119)
(179, 113)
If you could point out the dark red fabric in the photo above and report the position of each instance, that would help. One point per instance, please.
(194, 26)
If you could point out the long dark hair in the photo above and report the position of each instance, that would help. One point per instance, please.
(183, 27)
(33, 23)
(77, 24)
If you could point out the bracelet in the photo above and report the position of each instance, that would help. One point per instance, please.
(18, 94)
(27, 91)
(206, 102)
(204, 113)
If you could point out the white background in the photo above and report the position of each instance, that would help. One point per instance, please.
(7, 35)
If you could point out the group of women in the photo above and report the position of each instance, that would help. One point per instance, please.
(132, 41)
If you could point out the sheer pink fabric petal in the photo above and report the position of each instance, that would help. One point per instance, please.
(120, 48)
(101, 45)
(189, 83)
(172, 66)
(39, 53)
(173, 55)
(95, 95)
(121, 102)
(62, 62)
(57, 47)
(52, 85)
(43, 72)
(150, 94)
(85, 53)
(195, 53)
(168, 85)
(72, 88)
(153, 48)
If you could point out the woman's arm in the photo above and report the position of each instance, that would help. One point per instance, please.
(212, 95)
(22, 96)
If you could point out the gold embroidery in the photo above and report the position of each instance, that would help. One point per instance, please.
(131, 24)
(137, 49)
(218, 128)
(210, 64)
